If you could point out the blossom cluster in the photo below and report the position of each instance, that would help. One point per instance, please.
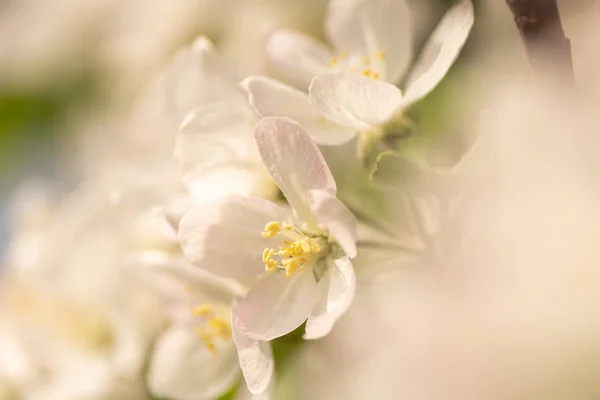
(274, 210)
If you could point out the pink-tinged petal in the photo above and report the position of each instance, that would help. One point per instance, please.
(294, 161)
(256, 360)
(199, 75)
(332, 213)
(276, 305)
(355, 101)
(298, 56)
(440, 51)
(370, 27)
(215, 153)
(224, 236)
(275, 99)
(183, 368)
(341, 289)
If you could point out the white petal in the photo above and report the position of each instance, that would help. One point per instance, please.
(182, 367)
(298, 56)
(353, 100)
(256, 360)
(276, 305)
(294, 161)
(181, 285)
(274, 99)
(332, 213)
(198, 76)
(367, 27)
(224, 236)
(342, 286)
(215, 152)
(440, 51)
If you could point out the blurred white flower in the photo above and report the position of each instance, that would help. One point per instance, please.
(77, 322)
(200, 355)
(310, 275)
(214, 147)
(69, 347)
(350, 94)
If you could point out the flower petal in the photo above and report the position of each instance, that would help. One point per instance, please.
(256, 360)
(353, 100)
(199, 76)
(274, 99)
(215, 153)
(342, 285)
(440, 51)
(224, 236)
(332, 213)
(276, 305)
(369, 27)
(294, 161)
(180, 285)
(182, 367)
(298, 56)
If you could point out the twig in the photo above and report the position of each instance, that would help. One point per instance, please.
(548, 49)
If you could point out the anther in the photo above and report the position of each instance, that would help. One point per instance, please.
(291, 267)
(202, 310)
(271, 229)
(271, 265)
(267, 254)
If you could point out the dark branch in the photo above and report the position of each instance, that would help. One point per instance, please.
(548, 49)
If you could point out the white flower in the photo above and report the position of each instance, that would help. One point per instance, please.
(214, 148)
(306, 254)
(353, 91)
(48, 337)
(200, 355)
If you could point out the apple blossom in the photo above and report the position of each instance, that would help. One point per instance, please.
(354, 92)
(304, 251)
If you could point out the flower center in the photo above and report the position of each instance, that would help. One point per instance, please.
(302, 247)
(214, 326)
(371, 66)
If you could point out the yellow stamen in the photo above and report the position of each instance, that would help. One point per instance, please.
(267, 254)
(333, 62)
(375, 75)
(381, 55)
(271, 229)
(208, 340)
(202, 310)
(219, 327)
(304, 247)
(367, 72)
(271, 265)
(213, 326)
(365, 60)
(291, 267)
